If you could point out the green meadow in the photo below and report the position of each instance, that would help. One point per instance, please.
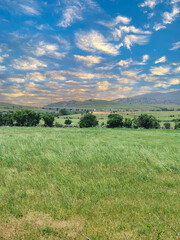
(163, 116)
(58, 183)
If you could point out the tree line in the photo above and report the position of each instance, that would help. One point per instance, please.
(25, 118)
(29, 118)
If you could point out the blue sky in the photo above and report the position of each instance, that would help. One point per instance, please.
(87, 49)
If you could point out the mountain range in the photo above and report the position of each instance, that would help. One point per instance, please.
(152, 99)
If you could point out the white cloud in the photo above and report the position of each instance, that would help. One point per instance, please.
(28, 64)
(159, 26)
(161, 60)
(169, 17)
(175, 1)
(116, 21)
(95, 41)
(125, 63)
(163, 85)
(29, 10)
(132, 74)
(160, 70)
(103, 85)
(70, 14)
(1, 59)
(175, 46)
(36, 76)
(46, 49)
(88, 60)
(16, 79)
(119, 32)
(177, 70)
(145, 58)
(2, 68)
(174, 81)
(73, 11)
(149, 3)
(130, 40)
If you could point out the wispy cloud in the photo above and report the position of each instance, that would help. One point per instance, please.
(159, 26)
(175, 46)
(169, 17)
(161, 60)
(160, 71)
(103, 85)
(94, 41)
(149, 3)
(130, 40)
(29, 10)
(88, 60)
(47, 49)
(73, 10)
(122, 30)
(119, 19)
(28, 64)
(28, 7)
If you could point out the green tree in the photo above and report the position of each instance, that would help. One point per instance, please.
(8, 119)
(27, 118)
(115, 120)
(63, 112)
(67, 122)
(88, 120)
(127, 123)
(147, 121)
(48, 119)
(167, 125)
(177, 125)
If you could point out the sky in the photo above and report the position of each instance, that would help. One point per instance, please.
(60, 50)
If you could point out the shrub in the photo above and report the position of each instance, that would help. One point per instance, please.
(68, 122)
(115, 120)
(135, 122)
(27, 118)
(127, 123)
(88, 120)
(63, 112)
(147, 121)
(7, 119)
(48, 119)
(167, 125)
(177, 125)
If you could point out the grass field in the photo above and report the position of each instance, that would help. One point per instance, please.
(56, 183)
(161, 115)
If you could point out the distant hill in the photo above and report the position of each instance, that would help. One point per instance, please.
(152, 101)
(15, 107)
(153, 98)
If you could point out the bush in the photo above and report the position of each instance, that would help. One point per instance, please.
(67, 122)
(63, 112)
(127, 123)
(27, 118)
(167, 125)
(177, 125)
(135, 122)
(88, 120)
(48, 119)
(115, 120)
(147, 121)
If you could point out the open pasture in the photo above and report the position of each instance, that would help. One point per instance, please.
(58, 183)
(103, 117)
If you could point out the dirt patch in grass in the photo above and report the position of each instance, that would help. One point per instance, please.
(39, 222)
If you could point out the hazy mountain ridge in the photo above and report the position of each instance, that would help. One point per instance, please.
(153, 98)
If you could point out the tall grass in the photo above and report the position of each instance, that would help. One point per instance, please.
(103, 183)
